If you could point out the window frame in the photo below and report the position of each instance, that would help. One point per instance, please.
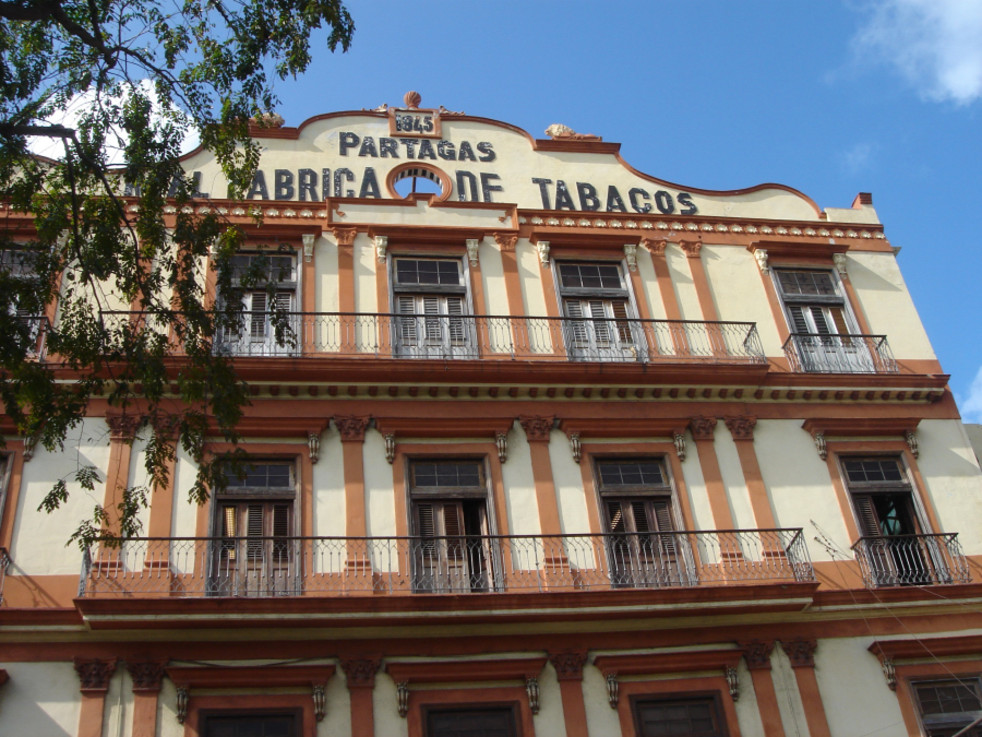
(248, 335)
(946, 722)
(905, 486)
(427, 710)
(423, 343)
(296, 713)
(713, 698)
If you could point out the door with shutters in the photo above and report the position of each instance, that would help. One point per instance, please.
(256, 552)
(599, 322)
(430, 304)
(270, 325)
(883, 499)
(643, 546)
(451, 547)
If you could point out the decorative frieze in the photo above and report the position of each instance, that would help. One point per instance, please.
(94, 673)
(537, 428)
(352, 428)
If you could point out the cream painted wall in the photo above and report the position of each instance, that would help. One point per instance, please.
(646, 269)
(950, 471)
(516, 474)
(493, 276)
(600, 718)
(732, 473)
(685, 290)
(139, 476)
(328, 480)
(326, 275)
(40, 699)
(747, 711)
(379, 492)
(789, 702)
(38, 542)
(889, 309)
(185, 513)
(738, 291)
(844, 668)
(531, 272)
(570, 495)
(696, 486)
(365, 263)
(385, 701)
(117, 716)
(799, 485)
(549, 722)
(337, 721)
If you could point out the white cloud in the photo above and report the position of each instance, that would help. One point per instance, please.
(857, 158)
(971, 406)
(935, 44)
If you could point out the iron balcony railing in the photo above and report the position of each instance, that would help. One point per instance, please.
(840, 354)
(4, 565)
(326, 566)
(477, 337)
(912, 560)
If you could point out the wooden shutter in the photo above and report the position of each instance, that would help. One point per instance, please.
(407, 325)
(577, 326)
(619, 310)
(254, 530)
(257, 315)
(600, 327)
(799, 322)
(455, 311)
(281, 531)
(869, 522)
(431, 310)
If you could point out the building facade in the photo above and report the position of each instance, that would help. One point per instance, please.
(540, 445)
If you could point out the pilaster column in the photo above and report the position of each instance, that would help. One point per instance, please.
(360, 674)
(146, 686)
(663, 276)
(757, 655)
(162, 496)
(352, 431)
(742, 430)
(94, 676)
(569, 671)
(801, 653)
(345, 238)
(693, 252)
(538, 430)
(122, 431)
(703, 432)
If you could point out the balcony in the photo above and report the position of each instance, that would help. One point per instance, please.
(466, 337)
(911, 560)
(840, 354)
(486, 565)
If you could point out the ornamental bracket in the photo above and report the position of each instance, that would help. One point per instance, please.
(532, 689)
(308, 246)
(542, 247)
(501, 442)
(381, 244)
(631, 255)
(402, 692)
(473, 246)
(732, 682)
(613, 690)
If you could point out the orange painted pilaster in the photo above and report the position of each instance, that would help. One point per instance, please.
(569, 671)
(742, 430)
(702, 429)
(693, 251)
(16, 460)
(94, 676)
(758, 657)
(360, 674)
(664, 277)
(801, 653)
(122, 429)
(146, 685)
(509, 264)
(162, 497)
(352, 431)
(538, 430)
(345, 238)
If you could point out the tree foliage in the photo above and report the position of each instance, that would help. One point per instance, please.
(141, 75)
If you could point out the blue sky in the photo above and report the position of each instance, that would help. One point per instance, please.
(832, 98)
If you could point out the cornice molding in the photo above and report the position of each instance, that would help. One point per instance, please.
(511, 669)
(674, 662)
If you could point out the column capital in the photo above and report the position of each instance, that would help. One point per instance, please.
(146, 675)
(691, 247)
(123, 427)
(506, 241)
(344, 236)
(94, 673)
(654, 246)
(757, 653)
(702, 428)
(568, 664)
(537, 428)
(360, 672)
(800, 652)
(352, 428)
(742, 427)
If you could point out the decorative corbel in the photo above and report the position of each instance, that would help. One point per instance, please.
(679, 440)
(183, 699)
(390, 448)
(308, 246)
(402, 694)
(473, 245)
(889, 672)
(761, 255)
(314, 446)
(542, 248)
(631, 254)
(732, 682)
(501, 442)
(839, 259)
(613, 690)
(911, 437)
(381, 244)
(823, 451)
(575, 446)
(29, 445)
(319, 694)
(532, 689)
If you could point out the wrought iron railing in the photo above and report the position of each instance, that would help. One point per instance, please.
(480, 337)
(4, 565)
(911, 560)
(293, 566)
(840, 354)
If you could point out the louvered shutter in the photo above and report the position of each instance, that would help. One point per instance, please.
(426, 528)
(254, 531)
(798, 320)
(455, 311)
(281, 531)
(407, 325)
(431, 311)
(866, 512)
(619, 310)
(257, 315)
(600, 327)
(577, 326)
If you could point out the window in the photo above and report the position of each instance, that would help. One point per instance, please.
(256, 553)
(489, 721)
(20, 286)
(451, 547)
(823, 331)
(884, 502)
(269, 287)
(600, 324)
(430, 299)
(642, 544)
(948, 706)
(695, 716)
(251, 725)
